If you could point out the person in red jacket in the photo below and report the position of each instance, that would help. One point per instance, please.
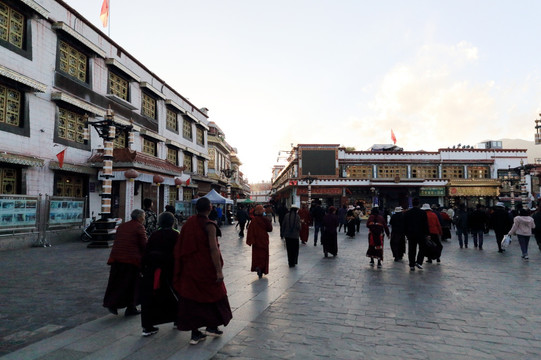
(198, 278)
(125, 261)
(434, 229)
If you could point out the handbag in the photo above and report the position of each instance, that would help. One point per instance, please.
(506, 241)
(431, 249)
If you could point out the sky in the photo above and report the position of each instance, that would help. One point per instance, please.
(276, 73)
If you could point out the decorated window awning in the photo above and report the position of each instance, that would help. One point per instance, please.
(61, 96)
(53, 165)
(37, 8)
(20, 159)
(115, 63)
(152, 89)
(152, 135)
(170, 102)
(25, 80)
(73, 33)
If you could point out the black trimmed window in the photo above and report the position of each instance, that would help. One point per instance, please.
(71, 125)
(424, 172)
(69, 185)
(11, 106)
(12, 26)
(119, 86)
(478, 172)
(73, 62)
(187, 129)
(188, 162)
(201, 167)
(172, 156)
(187, 194)
(171, 120)
(9, 180)
(173, 194)
(148, 106)
(120, 141)
(200, 136)
(150, 147)
(453, 172)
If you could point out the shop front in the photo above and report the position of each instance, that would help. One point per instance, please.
(473, 192)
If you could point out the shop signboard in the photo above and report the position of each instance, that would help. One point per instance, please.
(432, 191)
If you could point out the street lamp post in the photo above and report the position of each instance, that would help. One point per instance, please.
(104, 232)
(523, 191)
(309, 179)
(511, 188)
(228, 173)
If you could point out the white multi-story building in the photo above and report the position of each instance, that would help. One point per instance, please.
(57, 71)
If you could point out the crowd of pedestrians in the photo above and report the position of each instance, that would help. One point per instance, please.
(174, 270)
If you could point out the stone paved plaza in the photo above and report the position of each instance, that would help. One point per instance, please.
(474, 305)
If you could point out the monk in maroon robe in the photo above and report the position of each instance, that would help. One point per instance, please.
(304, 214)
(125, 260)
(198, 277)
(258, 239)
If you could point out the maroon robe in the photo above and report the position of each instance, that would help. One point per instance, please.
(258, 239)
(202, 299)
(195, 274)
(304, 214)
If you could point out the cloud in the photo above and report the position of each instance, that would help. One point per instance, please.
(431, 102)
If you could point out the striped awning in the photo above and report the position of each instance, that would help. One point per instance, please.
(20, 159)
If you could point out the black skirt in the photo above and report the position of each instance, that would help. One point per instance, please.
(193, 315)
(123, 286)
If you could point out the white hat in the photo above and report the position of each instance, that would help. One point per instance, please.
(295, 205)
(398, 209)
(351, 207)
(426, 207)
(499, 203)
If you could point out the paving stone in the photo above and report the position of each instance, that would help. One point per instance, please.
(474, 305)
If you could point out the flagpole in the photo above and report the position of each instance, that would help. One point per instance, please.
(109, 20)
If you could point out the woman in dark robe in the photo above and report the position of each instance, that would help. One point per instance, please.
(158, 300)
(377, 227)
(329, 234)
(350, 219)
(258, 239)
(304, 214)
(398, 238)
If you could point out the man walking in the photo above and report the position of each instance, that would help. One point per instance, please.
(501, 223)
(416, 230)
(317, 213)
(242, 218)
(477, 223)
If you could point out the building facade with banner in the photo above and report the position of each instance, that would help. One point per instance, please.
(58, 73)
(337, 176)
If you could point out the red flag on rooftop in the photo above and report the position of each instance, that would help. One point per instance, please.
(393, 137)
(104, 15)
(60, 157)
